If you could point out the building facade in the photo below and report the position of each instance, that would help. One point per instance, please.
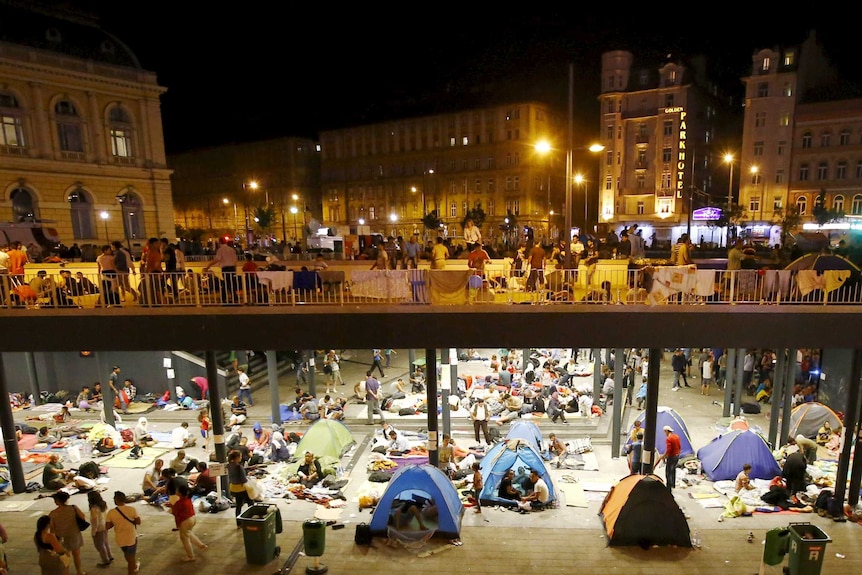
(386, 178)
(658, 126)
(801, 143)
(81, 145)
(221, 190)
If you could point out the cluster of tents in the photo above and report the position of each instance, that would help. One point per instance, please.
(628, 511)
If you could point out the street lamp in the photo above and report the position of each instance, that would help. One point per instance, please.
(105, 215)
(758, 179)
(728, 159)
(235, 216)
(254, 186)
(544, 147)
(294, 210)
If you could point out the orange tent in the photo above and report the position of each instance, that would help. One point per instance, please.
(640, 510)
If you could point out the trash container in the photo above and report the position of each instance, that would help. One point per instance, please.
(807, 549)
(314, 537)
(258, 534)
(775, 548)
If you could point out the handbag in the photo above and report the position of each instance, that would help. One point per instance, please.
(82, 523)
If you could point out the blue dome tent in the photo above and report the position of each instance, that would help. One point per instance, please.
(506, 455)
(424, 482)
(667, 416)
(724, 457)
(528, 430)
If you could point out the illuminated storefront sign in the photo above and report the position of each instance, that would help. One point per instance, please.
(707, 214)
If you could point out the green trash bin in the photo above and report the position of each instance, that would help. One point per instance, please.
(258, 534)
(807, 549)
(314, 537)
(775, 548)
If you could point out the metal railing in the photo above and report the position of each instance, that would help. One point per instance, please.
(660, 285)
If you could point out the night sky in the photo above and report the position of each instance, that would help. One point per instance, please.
(260, 70)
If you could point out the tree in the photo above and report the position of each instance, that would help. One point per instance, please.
(264, 217)
(431, 220)
(476, 214)
(822, 214)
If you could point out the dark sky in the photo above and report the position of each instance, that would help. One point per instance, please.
(246, 71)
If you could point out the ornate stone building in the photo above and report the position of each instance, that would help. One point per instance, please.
(81, 144)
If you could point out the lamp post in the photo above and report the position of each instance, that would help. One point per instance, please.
(544, 147)
(728, 159)
(235, 216)
(294, 210)
(105, 215)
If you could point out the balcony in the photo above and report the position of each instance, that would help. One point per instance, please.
(348, 284)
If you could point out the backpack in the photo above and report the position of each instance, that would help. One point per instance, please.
(363, 534)
(406, 411)
(538, 405)
(90, 470)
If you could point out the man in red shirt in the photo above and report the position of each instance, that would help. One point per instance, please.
(670, 456)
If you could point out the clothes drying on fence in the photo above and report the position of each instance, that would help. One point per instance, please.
(449, 287)
(388, 284)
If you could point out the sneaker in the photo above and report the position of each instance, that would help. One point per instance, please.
(137, 566)
(675, 389)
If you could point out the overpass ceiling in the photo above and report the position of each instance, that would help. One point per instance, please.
(401, 326)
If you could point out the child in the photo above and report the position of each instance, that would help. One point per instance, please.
(204, 419)
(98, 510)
(477, 486)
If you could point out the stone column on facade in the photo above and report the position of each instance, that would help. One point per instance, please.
(98, 145)
(42, 135)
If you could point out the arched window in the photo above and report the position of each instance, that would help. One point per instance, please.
(82, 214)
(11, 122)
(133, 215)
(838, 204)
(856, 208)
(121, 133)
(69, 127)
(802, 205)
(24, 206)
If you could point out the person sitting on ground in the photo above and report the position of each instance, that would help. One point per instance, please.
(309, 409)
(824, 434)
(743, 479)
(513, 408)
(507, 489)
(142, 436)
(279, 450)
(539, 497)
(309, 471)
(54, 475)
(336, 410)
(557, 449)
(181, 437)
(260, 443)
(403, 515)
(201, 482)
(181, 464)
(83, 399)
(151, 477)
(397, 389)
(397, 444)
(238, 412)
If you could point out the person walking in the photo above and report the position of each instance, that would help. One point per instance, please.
(64, 523)
(334, 363)
(99, 528)
(124, 520)
(237, 480)
(372, 398)
(678, 363)
(244, 391)
(53, 557)
(377, 361)
(184, 517)
(670, 456)
(480, 414)
(477, 486)
(388, 353)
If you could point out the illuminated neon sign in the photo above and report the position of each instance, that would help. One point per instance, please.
(707, 214)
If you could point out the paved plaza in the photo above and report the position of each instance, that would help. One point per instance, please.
(497, 541)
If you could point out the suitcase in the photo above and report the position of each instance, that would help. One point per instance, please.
(363, 534)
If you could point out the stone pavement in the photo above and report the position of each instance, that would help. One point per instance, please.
(497, 541)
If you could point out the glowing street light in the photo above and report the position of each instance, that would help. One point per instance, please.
(294, 210)
(105, 216)
(728, 159)
(227, 202)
